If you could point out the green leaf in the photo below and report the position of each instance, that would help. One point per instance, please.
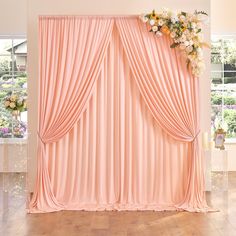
(199, 30)
(201, 12)
(174, 45)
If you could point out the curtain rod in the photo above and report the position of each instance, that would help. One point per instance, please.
(89, 16)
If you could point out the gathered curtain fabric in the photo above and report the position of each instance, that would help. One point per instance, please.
(76, 55)
(170, 92)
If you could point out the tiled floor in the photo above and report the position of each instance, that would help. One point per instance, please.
(16, 222)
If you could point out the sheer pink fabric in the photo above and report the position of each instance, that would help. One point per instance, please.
(115, 157)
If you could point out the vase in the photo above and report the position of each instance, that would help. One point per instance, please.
(16, 114)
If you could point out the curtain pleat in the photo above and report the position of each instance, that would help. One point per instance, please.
(118, 119)
(171, 93)
(116, 156)
(71, 51)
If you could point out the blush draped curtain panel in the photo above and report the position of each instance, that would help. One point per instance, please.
(118, 119)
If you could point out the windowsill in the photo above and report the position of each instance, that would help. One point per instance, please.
(230, 141)
(13, 140)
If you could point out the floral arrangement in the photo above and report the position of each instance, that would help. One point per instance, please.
(19, 129)
(5, 132)
(15, 102)
(186, 31)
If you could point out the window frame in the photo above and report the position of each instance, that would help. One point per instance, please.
(13, 72)
(215, 37)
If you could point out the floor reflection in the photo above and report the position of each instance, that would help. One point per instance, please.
(12, 191)
(14, 220)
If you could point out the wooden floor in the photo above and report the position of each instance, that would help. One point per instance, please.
(15, 221)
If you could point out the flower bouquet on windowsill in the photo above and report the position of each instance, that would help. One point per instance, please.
(16, 104)
(19, 129)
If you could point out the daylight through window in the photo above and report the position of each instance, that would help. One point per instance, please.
(13, 88)
(223, 84)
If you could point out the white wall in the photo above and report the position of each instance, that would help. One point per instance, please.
(223, 15)
(13, 17)
(90, 7)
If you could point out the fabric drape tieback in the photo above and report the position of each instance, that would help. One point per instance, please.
(40, 138)
(196, 135)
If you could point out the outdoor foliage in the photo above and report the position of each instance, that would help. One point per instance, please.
(11, 82)
(223, 95)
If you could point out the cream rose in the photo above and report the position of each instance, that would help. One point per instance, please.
(152, 22)
(7, 103)
(12, 105)
(154, 28)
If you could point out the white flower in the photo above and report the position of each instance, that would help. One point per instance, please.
(160, 22)
(144, 18)
(152, 22)
(183, 38)
(186, 43)
(189, 49)
(182, 18)
(12, 105)
(7, 103)
(172, 35)
(182, 46)
(158, 33)
(174, 19)
(154, 28)
(190, 42)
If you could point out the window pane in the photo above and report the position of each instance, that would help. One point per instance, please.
(216, 79)
(5, 46)
(229, 111)
(5, 117)
(5, 65)
(216, 52)
(20, 54)
(12, 123)
(13, 81)
(229, 49)
(230, 79)
(216, 112)
(20, 80)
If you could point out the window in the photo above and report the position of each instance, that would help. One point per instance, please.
(223, 84)
(13, 81)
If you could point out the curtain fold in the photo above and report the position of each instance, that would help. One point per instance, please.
(71, 51)
(114, 102)
(116, 157)
(171, 94)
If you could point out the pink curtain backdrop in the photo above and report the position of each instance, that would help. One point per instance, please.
(171, 94)
(118, 114)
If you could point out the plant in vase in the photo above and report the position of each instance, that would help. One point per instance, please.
(19, 129)
(16, 104)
